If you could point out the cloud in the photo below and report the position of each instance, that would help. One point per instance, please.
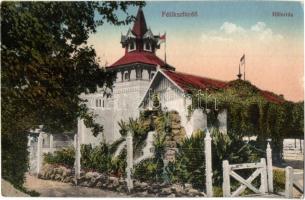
(259, 26)
(230, 28)
(214, 38)
(229, 32)
(265, 33)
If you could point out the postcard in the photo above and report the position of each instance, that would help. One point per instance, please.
(152, 99)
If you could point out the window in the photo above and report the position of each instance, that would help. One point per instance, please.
(147, 46)
(126, 76)
(98, 103)
(132, 46)
(152, 75)
(138, 73)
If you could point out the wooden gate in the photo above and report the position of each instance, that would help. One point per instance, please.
(229, 170)
(293, 180)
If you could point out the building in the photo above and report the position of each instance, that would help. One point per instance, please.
(139, 73)
(134, 72)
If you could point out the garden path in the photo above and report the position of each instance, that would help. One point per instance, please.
(48, 188)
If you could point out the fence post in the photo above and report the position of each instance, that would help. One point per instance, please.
(51, 143)
(264, 184)
(226, 179)
(269, 168)
(77, 157)
(208, 164)
(129, 161)
(39, 153)
(289, 182)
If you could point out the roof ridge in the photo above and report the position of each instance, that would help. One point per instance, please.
(185, 73)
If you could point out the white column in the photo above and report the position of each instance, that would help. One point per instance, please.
(289, 182)
(39, 153)
(269, 168)
(51, 143)
(129, 161)
(208, 164)
(264, 184)
(226, 179)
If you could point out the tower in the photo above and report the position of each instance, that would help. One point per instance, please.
(134, 71)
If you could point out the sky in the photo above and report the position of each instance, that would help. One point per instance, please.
(212, 43)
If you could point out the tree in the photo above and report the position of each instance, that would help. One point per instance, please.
(46, 65)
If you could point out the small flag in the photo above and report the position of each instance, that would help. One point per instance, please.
(242, 59)
(162, 38)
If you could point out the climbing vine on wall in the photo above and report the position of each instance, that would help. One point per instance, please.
(252, 112)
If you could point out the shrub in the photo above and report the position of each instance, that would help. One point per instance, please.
(65, 156)
(279, 180)
(96, 158)
(118, 164)
(146, 170)
(14, 157)
(190, 161)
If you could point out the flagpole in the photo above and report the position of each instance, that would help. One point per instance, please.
(165, 49)
(244, 67)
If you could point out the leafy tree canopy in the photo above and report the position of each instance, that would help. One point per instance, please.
(47, 63)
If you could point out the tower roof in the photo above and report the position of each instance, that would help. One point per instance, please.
(139, 27)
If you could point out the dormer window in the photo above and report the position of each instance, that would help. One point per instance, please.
(132, 46)
(147, 46)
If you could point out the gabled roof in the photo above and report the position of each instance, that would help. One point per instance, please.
(188, 81)
(139, 27)
(139, 57)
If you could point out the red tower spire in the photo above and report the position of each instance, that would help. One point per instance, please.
(139, 27)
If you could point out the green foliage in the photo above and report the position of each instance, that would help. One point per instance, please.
(118, 164)
(279, 180)
(65, 156)
(46, 64)
(139, 129)
(189, 166)
(217, 191)
(250, 113)
(146, 170)
(230, 147)
(14, 159)
(96, 158)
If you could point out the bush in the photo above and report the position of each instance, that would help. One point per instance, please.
(96, 158)
(189, 166)
(146, 170)
(64, 156)
(279, 180)
(14, 157)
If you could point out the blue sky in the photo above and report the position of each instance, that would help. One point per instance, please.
(211, 44)
(212, 14)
